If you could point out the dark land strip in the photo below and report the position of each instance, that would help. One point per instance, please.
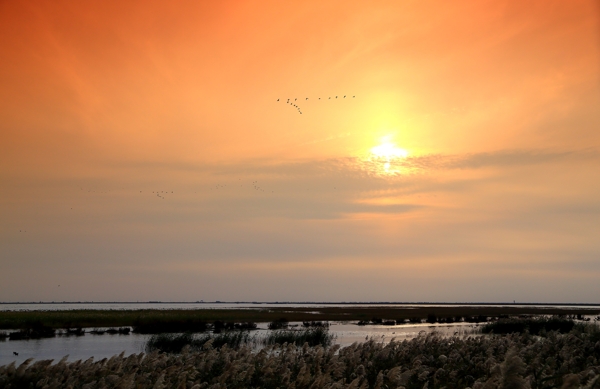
(151, 317)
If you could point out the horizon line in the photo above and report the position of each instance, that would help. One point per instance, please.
(301, 302)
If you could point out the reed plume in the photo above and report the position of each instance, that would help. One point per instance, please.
(431, 361)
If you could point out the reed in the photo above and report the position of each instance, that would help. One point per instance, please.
(313, 323)
(513, 361)
(219, 326)
(169, 343)
(151, 326)
(592, 330)
(278, 324)
(175, 343)
(36, 331)
(71, 332)
(317, 336)
(534, 326)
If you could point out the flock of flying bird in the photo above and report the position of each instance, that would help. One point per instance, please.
(254, 183)
(293, 103)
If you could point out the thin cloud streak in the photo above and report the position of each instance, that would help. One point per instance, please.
(359, 166)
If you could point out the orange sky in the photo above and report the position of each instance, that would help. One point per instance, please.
(488, 108)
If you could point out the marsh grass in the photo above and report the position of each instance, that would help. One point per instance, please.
(429, 361)
(120, 331)
(36, 331)
(149, 326)
(152, 320)
(278, 324)
(219, 326)
(532, 325)
(174, 343)
(317, 336)
(71, 332)
(313, 323)
(591, 330)
(248, 325)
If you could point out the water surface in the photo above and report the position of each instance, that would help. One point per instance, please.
(105, 346)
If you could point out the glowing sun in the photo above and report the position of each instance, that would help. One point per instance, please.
(386, 153)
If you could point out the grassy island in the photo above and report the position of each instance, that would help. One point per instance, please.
(154, 320)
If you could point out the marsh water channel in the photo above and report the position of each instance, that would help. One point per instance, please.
(106, 345)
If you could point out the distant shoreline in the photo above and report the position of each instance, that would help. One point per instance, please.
(303, 303)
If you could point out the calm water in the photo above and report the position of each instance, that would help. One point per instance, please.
(105, 346)
(76, 347)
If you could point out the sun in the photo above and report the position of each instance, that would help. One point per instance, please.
(386, 153)
(388, 150)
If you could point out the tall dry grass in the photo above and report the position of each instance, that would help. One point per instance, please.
(430, 361)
